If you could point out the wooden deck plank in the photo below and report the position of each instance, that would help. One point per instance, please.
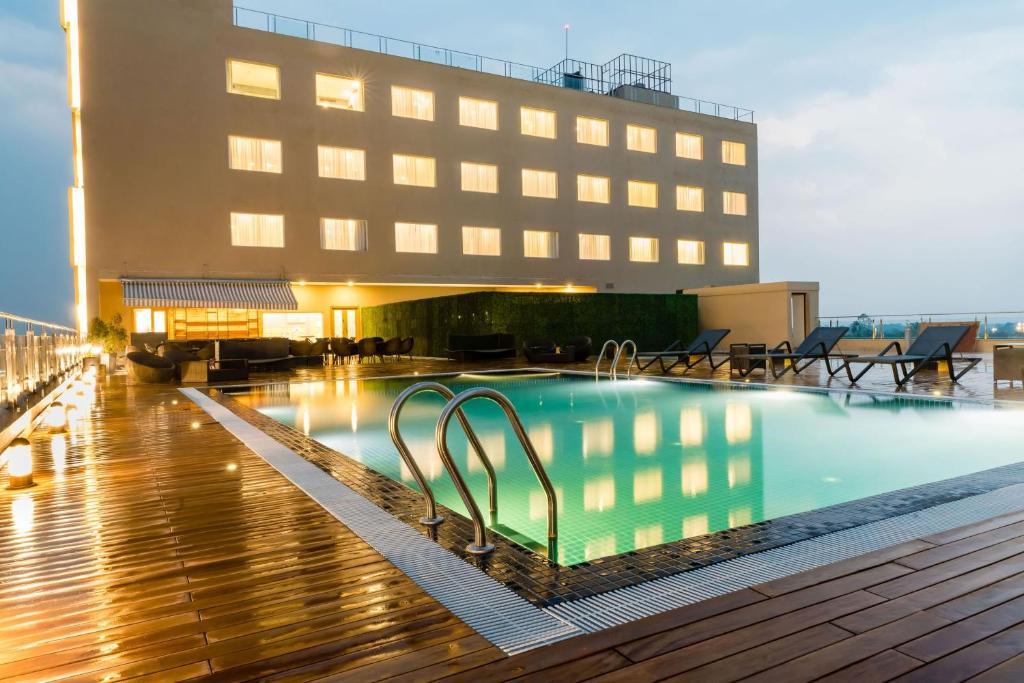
(946, 570)
(881, 667)
(946, 597)
(677, 638)
(852, 650)
(962, 665)
(739, 666)
(965, 632)
(942, 553)
(737, 641)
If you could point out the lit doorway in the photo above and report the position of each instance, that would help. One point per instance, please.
(344, 322)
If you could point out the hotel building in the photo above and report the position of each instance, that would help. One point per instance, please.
(241, 174)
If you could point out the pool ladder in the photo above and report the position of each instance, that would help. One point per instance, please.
(453, 408)
(613, 371)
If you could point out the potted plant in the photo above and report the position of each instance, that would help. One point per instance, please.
(108, 339)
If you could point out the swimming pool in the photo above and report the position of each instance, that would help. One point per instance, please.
(639, 463)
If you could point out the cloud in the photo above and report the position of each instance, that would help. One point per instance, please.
(908, 193)
(33, 89)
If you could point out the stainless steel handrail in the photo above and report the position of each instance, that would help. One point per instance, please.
(604, 347)
(431, 518)
(618, 354)
(480, 544)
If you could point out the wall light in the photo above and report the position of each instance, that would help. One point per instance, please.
(19, 464)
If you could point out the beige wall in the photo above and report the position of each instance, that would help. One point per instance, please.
(759, 313)
(156, 117)
(323, 298)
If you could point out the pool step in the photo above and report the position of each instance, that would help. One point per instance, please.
(517, 537)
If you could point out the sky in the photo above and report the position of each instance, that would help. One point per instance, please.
(891, 132)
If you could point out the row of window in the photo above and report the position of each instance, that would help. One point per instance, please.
(339, 92)
(255, 154)
(350, 234)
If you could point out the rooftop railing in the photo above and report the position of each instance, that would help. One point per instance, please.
(33, 354)
(346, 37)
(991, 324)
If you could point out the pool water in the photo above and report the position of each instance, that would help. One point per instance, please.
(639, 463)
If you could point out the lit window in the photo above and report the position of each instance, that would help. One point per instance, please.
(689, 198)
(643, 194)
(735, 254)
(293, 325)
(257, 230)
(591, 131)
(540, 244)
(253, 79)
(540, 183)
(537, 122)
(343, 234)
(479, 177)
(643, 249)
(143, 320)
(691, 252)
(641, 139)
(478, 113)
(690, 146)
(412, 170)
(341, 162)
(411, 103)
(595, 247)
(254, 154)
(338, 92)
(159, 321)
(734, 153)
(734, 203)
(416, 238)
(481, 241)
(592, 188)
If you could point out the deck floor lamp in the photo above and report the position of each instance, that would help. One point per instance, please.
(19, 464)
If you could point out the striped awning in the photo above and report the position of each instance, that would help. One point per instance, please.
(208, 293)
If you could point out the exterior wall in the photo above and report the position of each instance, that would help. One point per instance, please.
(156, 118)
(324, 298)
(757, 313)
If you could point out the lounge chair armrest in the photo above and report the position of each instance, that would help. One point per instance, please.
(890, 347)
(784, 346)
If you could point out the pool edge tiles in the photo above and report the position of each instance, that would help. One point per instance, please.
(546, 584)
(490, 608)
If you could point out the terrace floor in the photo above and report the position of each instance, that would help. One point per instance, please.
(160, 547)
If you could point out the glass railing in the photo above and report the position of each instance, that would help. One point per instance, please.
(33, 354)
(396, 47)
(991, 325)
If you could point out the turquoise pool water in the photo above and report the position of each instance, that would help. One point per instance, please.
(638, 463)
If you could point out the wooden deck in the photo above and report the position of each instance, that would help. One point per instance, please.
(164, 549)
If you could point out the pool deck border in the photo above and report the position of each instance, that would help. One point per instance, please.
(547, 585)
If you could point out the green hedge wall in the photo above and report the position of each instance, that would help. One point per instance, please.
(653, 320)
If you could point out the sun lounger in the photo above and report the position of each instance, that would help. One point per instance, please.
(933, 344)
(700, 348)
(816, 346)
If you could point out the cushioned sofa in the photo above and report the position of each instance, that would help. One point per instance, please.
(481, 346)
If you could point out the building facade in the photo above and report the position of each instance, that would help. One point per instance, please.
(233, 181)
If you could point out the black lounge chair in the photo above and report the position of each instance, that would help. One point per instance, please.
(816, 346)
(702, 346)
(406, 349)
(933, 344)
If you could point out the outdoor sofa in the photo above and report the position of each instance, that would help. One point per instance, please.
(463, 347)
